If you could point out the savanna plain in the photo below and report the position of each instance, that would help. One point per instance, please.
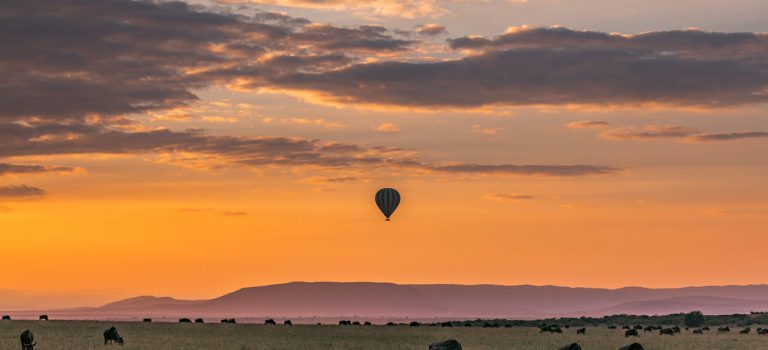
(60, 335)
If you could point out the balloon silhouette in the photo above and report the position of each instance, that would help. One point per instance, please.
(387, 199)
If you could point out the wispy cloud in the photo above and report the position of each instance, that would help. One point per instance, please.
(21, 192)
(586, 124)
(388, 128)
(499, 197)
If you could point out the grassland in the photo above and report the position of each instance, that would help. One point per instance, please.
(59, 335)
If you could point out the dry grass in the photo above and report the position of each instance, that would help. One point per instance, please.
(59, 335)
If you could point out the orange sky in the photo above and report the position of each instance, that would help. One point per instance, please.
(680, 199)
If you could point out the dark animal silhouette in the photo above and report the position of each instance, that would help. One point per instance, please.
(567, 326)
(698, 331)
(199, 320)
(148, 320)
(467, 324)
(229, 320)
(581, 331)
(633, 346)
(445, 324)
(27, 340)
(572, 346)
(367, 323)
(390, 323)
(6, 318)
(449, 344)
(745, 331)
(638, 327)
(356, 323)
(676, 329)
(43, 317)
(550, 329)
(287, 323)
(667, 331)
(111, 335)
(185, 320)
(270, 322)
(631, 333)
(415, 324)
(705, 328)
(762, 331)
(345, 323)
(625, 327)
(724, 329)
(648, 329)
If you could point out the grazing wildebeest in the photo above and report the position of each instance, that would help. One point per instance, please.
(705, 328)
(676, 329)
(111, 335)
(667, 331)
(6, 318)
(762, 331)
(550, 329)
(445, 345)
(367, 323)
(414, 324)
(698, 331)
(633, 346)
(648, 329)
(581, 331)
(43, 317)
(390, 323)
(631, 333)
(625, 327)
(745, 331)
(287, 323)
(572, 346)
(270, 322)
(27, 340)
(638, 327)
(356, 323)
(199, 320)
(185, 320)
(345, 323)
(725, 329)
(148, 320)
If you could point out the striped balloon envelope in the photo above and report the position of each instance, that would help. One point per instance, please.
(387, 199)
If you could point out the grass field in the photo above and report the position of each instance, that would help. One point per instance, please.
(58, 335)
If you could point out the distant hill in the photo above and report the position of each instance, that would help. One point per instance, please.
(389, 300)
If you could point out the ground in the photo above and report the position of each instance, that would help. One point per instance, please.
(59, 335)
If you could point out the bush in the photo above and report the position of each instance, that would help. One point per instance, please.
(694, 319)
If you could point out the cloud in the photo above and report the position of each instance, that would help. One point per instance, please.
(388, 128)
(509, 169)
(76, 58)
(649, 132)
(729, 136)
(390, 8)
(337, 179)
(485, 131)
(431, 29)
(6, 169)
(587, 124)
(509, 197)
(20, 192)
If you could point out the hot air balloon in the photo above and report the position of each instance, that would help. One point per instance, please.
(387, 199)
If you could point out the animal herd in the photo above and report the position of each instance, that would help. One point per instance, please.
(111, 334)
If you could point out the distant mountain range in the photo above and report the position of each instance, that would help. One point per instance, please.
(395, 301)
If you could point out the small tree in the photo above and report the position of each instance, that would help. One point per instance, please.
(694, 319)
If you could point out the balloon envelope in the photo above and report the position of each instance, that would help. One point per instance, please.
(387, 199)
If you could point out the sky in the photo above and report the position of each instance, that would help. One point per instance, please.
(194, 148)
